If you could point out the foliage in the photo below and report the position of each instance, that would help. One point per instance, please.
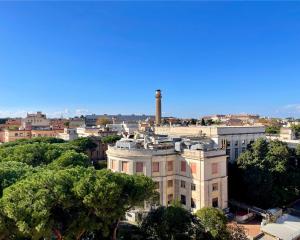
(273, 129)
(111, 139)
(214, 222)
(296, 129)
(102, 121)
(172, 222)
(70, 202)
(70, 158)
(49, 188)
(193, 121)
(128, 231)
(237, 232)
(266, 175)
(32, 140)
(83, 144)
(11, 172)
(202, 122)
(32, 154)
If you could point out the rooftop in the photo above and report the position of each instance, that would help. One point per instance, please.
(287, 227)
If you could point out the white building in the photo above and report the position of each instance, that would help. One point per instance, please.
(127, 128)
(232, 138)
(193, 172)
(68, 134)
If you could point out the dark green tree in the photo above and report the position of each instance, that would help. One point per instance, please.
(266, 173)
(71, 202)
(214, 222)
(172, 222)
(111, 139)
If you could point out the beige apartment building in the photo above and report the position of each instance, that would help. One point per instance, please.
(13, 135)
(45, 133)
(35, 120)
(233, 139)
(191, 171)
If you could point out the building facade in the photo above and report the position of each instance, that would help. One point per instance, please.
(35, 120)
(13, 135)
(194, 176)
(233, 139)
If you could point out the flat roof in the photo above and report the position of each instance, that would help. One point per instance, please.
(287, 227)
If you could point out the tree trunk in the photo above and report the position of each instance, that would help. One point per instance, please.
(114, 235)
(80, 234)
(57, 234)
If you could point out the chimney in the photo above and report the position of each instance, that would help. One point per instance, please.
(158, 107)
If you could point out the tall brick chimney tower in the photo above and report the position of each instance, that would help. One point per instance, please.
(158, 107)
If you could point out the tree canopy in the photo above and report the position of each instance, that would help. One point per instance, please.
(214, 222)
(172, 222)
(50, 189)
(111, 139)
(266, 175)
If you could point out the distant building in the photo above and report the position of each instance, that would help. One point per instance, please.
(68, 134)
(46, 133)
(287, 133)
(191, 171)
(13, 135)
(233, 139)
(123, 128)
(12, 123)
(233, 119)
(58, 123)
(91, 120)
(99, 152)
(94, 131)
(35, 121)
(76, 122)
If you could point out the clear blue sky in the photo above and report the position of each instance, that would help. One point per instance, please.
(109, 57)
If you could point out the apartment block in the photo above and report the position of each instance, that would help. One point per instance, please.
(233, 139)
(191, 171)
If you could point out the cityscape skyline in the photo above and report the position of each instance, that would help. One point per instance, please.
(107, 57)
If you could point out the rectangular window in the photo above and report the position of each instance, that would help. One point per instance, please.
(183, 199)
(170, 183)
(193, 168)
(155, 167)
(114, 164)
(215, 187)
(183, 166)
(223, 143)
(170, 198)
(156, 185)
(236, 143)
(139, 167)
(243, 142)
(170, 165)
(228, 152)
(124, 166)
(236, 153)
(228, 144)
(193, 204)
(182, 184)
(214, 168)
(193, 187)
(215, 202)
